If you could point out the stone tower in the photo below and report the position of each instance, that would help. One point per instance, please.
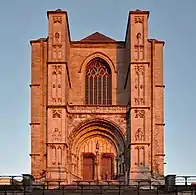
(97, 104)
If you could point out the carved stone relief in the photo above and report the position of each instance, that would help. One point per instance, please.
(53, 155)
(59, 155)
(139, 37)
(137, 156)
(57, 52)
(139, 19)
(57, 38)
(56, 84)
(56, 113)
(140, 156)
(56, 135)
(139, 135)
(139, 52)
(139, 113)
(57, 19)
(56, 155)
(140, 84)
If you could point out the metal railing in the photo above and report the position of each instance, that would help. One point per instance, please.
(25, 186)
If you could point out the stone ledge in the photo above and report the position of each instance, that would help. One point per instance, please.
(85, 109)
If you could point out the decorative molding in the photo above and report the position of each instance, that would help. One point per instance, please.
(56, 106)
(140, 107)
(97, 55)
(82, 109)
(139, 62)
(159, 154)
(78, 44)
(34, 154)
(53, 63)
(34, 124)
(56, 143)
(160, 124)
(163, 86)
(34, 85)
(143, 143)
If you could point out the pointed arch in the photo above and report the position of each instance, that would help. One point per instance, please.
(109, 129)
(97, 55)
(98, 83)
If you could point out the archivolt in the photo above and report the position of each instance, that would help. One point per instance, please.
(97, 127)
(97, 55)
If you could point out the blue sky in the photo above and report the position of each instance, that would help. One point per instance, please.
(172, 21)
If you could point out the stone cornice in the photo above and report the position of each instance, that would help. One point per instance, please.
(140, 107)
(163, 86)
(34, 123)
(78, 44)
(141, 62)
(34, 85)
(141, 143)
(88, 109)
(35, 154)
(160, 124)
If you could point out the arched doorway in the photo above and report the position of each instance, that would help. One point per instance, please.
(96, 145)
(107, 166)
(88, 167)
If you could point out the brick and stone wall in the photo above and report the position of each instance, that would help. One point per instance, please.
(63, 127)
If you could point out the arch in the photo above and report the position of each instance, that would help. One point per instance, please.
(98, 82)
(97, 55)
(99, 127)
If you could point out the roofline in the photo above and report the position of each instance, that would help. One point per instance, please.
(38, 40)
(58, 11)
(95, 42)
(157, 41)
(137, 11)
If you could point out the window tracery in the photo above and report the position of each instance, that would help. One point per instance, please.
(98, 83)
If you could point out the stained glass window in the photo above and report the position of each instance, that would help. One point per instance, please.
(98, 83)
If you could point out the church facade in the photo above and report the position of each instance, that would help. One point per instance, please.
(97, 110)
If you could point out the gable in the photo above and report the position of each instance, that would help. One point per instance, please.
(97, 37)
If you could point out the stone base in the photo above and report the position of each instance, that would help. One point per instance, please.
(143, 177)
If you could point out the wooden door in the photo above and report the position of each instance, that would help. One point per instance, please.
(106, 167)
(88, 168)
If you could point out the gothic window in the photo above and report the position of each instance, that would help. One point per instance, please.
(98, 83)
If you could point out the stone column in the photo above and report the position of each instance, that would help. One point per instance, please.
(140, 123)
(58, 89)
